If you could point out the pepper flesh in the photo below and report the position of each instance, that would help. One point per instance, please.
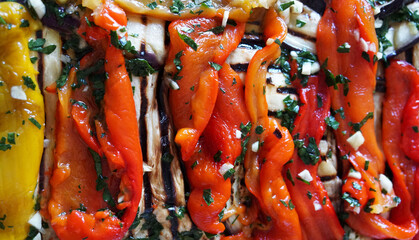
(19, 165)
(402, 84)
(352, 21)
(317, 223)
(203, 113)
(277, 151)
(218, 137)
(264, 180)
(79, 166)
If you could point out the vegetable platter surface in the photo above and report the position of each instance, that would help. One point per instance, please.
(209, 119)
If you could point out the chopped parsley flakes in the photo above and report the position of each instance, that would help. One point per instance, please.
(207, 196)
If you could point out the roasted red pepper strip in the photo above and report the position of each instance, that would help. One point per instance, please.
(75, 168)
(352, 21)
(401, 81)
(113, 156)
(410, 136)
(277, 150)
(122, 125)
(402, 85)
(254, 92)
(219, 138)
(263, 178)
(203, 106)
(310, 123)
(197, 79)
(81, 117)
(109, 16)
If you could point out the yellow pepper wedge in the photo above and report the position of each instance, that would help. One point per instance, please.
(21, 122)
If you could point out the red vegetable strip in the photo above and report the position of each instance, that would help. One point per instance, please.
(203, 107)
(310, 123)
(96, 37)
(334, 30)
(220, 133)
(218, 137)
(72, 173)
(198, 86)
(277, 150)
(410, 136)
(264, 180)
(355, 18)
(122, 125)
(81, 119)
(402, 82)
(255, 99)
(120, 143)
(109, 16)
(229, 41)
(113, 156)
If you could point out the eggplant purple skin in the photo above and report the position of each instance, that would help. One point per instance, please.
(391, 7)
(57, 19)
(317, 5)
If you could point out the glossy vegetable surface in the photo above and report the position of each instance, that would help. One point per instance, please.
(202, 108)
(399, 118)
(309, 128)
(263, 167)
(21, 123)
(97, 178)
(352, 22)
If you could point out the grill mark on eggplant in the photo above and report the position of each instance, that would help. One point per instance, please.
(143, 140)
(409, 54)
(380, 85)
(327, 178)
(413, 38)
(300, 35)
(241, 67)
(143, 111)
(251, 43)
(167, 175)
(287, 90)
(153, 152)
(165, 148)
(180, 183)
(147, 196)
(403, 48)
(144, 19)
(147, 192)
(162, 186)
(149, 57)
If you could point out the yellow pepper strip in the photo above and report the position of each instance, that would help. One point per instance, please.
(21, 122)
